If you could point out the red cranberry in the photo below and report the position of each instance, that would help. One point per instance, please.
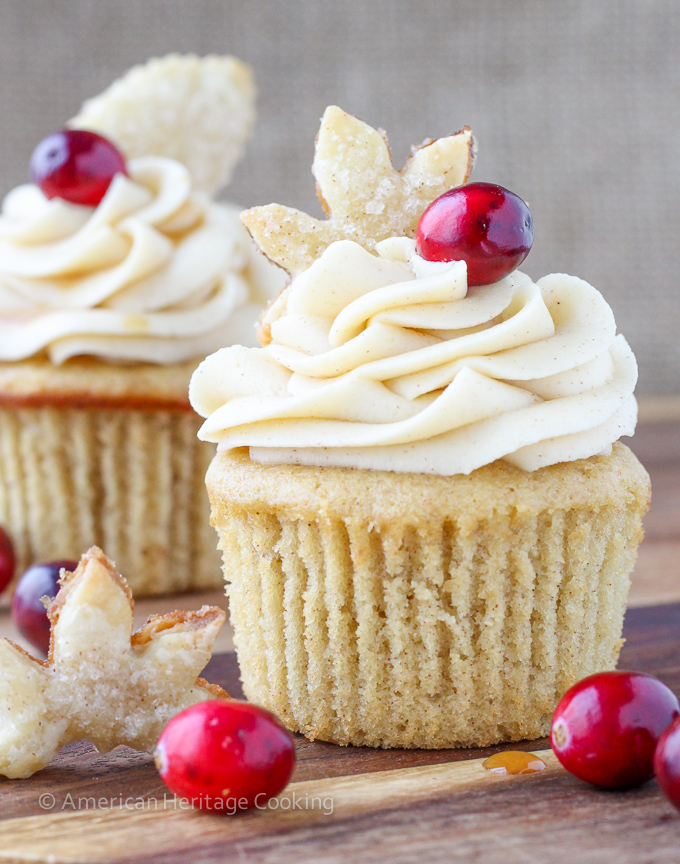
(667, 763)
(7, 560)
(76, 165)
(483, 224)
(225, 755)
(605, 728)
(28, 613)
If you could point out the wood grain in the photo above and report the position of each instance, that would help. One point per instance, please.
(450, 812)
(387, 805)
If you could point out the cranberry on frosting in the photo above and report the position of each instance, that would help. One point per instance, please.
(155, 272)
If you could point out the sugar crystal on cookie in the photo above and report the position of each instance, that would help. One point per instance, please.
(197, 110)
(365, 198)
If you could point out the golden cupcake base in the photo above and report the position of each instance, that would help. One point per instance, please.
(409, 610)
(103, 455)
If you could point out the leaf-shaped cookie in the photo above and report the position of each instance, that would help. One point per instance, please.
(366, 199)
(197, 110)
(101, 681)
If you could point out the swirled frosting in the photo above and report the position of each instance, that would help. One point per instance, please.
(155, 273)
(392, 362)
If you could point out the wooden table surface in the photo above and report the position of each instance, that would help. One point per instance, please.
(358, 804)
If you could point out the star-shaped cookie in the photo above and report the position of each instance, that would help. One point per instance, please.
(365, 198)
(101, 681)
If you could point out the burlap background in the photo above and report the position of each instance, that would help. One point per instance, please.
(575, 105)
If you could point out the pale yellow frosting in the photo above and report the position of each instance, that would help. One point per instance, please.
(388, 361)
(157, 272)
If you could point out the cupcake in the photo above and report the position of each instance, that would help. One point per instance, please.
(427, 520)
(118, 274)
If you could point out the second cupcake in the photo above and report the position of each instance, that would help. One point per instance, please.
(118, 273)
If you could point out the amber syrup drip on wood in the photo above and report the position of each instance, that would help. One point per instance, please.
(514, 762)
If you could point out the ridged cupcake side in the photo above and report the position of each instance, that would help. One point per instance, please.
(129, 481)
(456, 621)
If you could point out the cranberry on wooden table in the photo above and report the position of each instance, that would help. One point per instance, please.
(28, 611)
(483, 224)
(76, 165)
(605, 728)
(225, 755)
(667, 763)
(7, 560)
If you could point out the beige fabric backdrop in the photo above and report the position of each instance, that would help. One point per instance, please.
(575, 105)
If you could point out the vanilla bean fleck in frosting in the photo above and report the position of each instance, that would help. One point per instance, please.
(391, 362)
(157, 272)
